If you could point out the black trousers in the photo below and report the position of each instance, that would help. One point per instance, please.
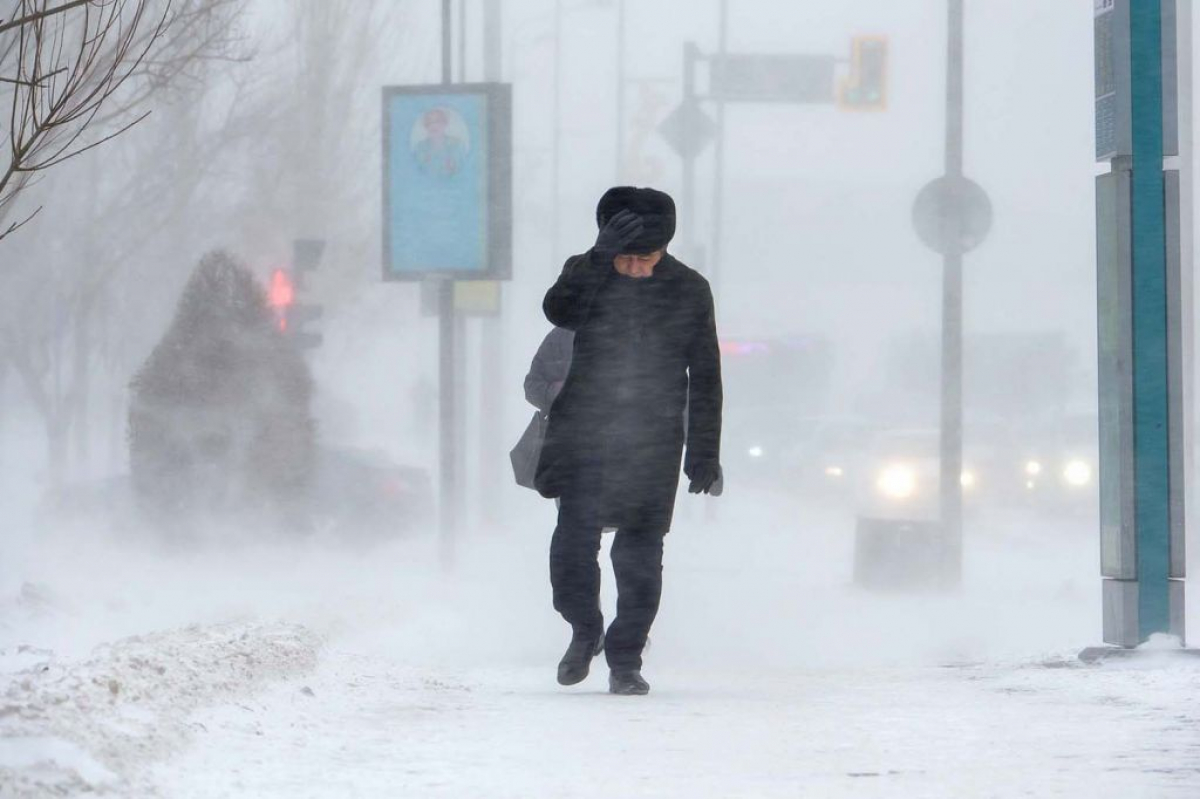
(637, 555)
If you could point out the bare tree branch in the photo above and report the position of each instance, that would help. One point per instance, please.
(68, 67)
(15, 226)
(77, 80)
(40, 15)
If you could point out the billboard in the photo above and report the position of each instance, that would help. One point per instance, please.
(447, 167)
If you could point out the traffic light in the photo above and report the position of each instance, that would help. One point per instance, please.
(292, 316)
(281, 294)
(865, 88)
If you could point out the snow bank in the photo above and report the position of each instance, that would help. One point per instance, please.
(67, 728)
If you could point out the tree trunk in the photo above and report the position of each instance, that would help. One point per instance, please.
(81, 385)
(118, 419)
(57, 437)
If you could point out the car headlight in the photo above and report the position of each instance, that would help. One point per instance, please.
(755, 452)
(967, 480)
(834, 471)
(1078, 473)
(1033, 468)
(898, 481)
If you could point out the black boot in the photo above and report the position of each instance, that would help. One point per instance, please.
(627, 683)
(573, 667)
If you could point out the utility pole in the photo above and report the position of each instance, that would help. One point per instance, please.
(462, 41)
(448, 410)
(557, 105)
(491, 328)
(620, 175)
(493, 22)
(462, 484)
(691, 53)
(952, 316)
(714, 267)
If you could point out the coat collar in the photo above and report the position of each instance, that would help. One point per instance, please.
(668, 268)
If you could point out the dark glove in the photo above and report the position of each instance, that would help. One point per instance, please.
(706, 478)
(615, 236)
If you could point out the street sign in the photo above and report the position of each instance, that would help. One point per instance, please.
(772, 78)
(688, 129)
(471, 298)
(306, 254)
(952, 215)
(865, 88)
(447, 168)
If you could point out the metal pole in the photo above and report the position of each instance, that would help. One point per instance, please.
(493, 22)
(620, 178)
(447, 453)
(447, 415)
(555, 198)
(952, 317)
(447, 48)
(462, 482)
(690, 54)
(1183, 25)
(714, 269)
(462, 41)
(491, 329)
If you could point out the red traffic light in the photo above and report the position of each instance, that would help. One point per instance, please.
(281, 293)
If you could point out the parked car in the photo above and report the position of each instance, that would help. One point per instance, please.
(362, 493)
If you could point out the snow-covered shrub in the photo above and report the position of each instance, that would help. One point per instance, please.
(220, 419)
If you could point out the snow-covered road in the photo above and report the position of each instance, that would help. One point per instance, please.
(772, 674)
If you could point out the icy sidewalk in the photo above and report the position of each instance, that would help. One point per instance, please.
(369, 727)
(94, 726)
(772, 677)
(772, 674)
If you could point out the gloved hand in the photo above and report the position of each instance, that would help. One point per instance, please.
(615, 236)
(706, 478)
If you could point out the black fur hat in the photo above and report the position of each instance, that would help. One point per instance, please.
(656, 209)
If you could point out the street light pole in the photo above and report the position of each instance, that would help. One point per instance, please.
(448, 435)
(952, 315)
(446, 45)
(691, 53)
(462, 41)
(491, 328)
(555, 190)
(714, 266)
(620, 91)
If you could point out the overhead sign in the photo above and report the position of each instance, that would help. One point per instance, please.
(447, 167)
(952, 215)
(772, 78)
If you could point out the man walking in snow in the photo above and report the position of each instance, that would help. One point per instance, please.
(645, 349)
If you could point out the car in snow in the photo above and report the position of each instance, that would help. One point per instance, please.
(361, 493)
(1039, 468)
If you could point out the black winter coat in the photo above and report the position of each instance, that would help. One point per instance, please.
(645, 350)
